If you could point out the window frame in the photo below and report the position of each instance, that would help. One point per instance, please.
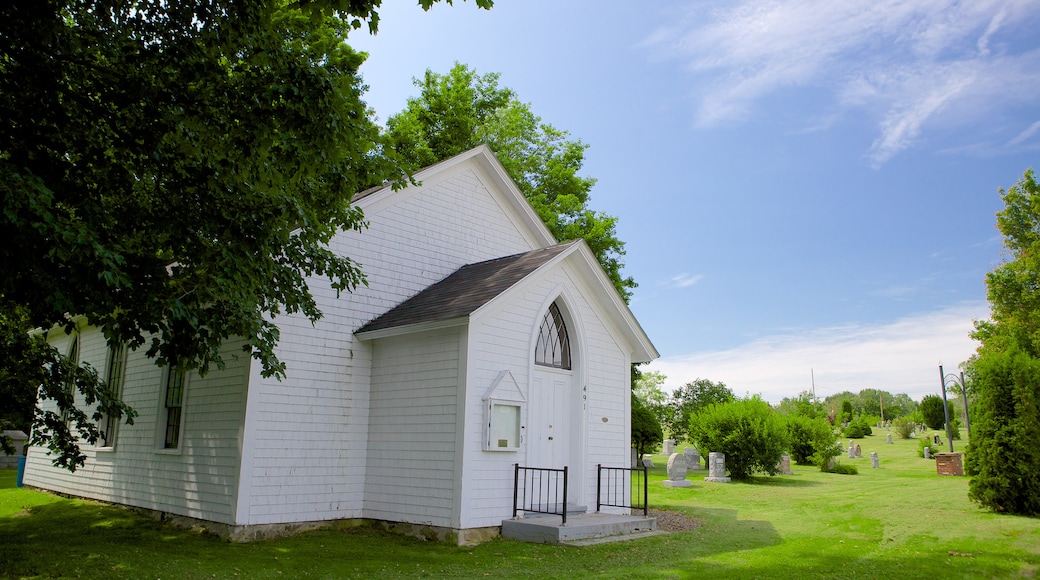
(553, 339)
(116, 359)
(73, 355)
(163, 425)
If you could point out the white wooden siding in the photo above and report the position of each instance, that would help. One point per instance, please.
(199, 480)
(313, 427)
(412, 428)
(500, 340)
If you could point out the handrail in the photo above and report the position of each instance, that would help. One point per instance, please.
(619, 485)
(541, 490)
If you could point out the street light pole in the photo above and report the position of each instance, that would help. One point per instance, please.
(946, 410)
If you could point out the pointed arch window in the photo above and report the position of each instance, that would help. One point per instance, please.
(554, 346)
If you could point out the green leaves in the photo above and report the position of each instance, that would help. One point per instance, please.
(174, 171)
(751, 434)
(1003, 458)
(461, 109)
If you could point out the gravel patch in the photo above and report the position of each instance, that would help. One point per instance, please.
(670, 521)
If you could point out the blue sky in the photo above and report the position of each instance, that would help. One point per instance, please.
(805, 188)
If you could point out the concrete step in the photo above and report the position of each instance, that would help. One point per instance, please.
(549, 529)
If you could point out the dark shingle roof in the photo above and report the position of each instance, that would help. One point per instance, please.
(466, 289)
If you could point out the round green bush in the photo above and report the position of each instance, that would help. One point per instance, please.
(750, 432)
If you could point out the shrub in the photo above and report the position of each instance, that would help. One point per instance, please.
(1003, 458)
(857, 429)
(839, 468)
(812, 440)
(923, 442)
(903, 427)
(751, 434)
(955, 429)
(933, 412)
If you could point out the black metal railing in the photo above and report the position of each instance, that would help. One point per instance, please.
(615, 484)
(540, 490)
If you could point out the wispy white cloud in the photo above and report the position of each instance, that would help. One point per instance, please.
(1029, 132)
(900, 357)
(908, 62)
(684, 280)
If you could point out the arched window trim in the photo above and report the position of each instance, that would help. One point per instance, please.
(553, 348)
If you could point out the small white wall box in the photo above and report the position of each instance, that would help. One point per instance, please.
(503, 414)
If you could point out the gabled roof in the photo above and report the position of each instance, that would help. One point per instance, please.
(465, 290)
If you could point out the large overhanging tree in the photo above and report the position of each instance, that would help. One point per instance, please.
(462, 109)
(171, 172)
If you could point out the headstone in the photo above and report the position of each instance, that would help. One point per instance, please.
(927, 452)
(830, 464)
(784, 465)
(635, 458)
(717, 468)
(874, 461)
(18, 439)
(889, 439)
(693, 458)
(859, 453)
(851, 444)
(852, 452)
(676, 471)
(647, 462)
(669, 446)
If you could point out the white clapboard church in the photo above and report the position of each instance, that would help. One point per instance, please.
(480, 343)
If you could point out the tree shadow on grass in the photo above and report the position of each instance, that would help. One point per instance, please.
(779, 481)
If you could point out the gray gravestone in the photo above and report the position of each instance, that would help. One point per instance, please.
(874, 462)
(859, 453)
(927, 452)
(669, 446)
(784, 466)
(852, 452)
(676, 471)
(693, 458)
(717, 467)
(889, 439)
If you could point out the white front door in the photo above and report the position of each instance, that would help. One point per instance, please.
(550, 422)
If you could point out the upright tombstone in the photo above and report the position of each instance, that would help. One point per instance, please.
(889, 439)
(874, 461)
(717, 468)
(784, 465)
(669, 446)
(852, 451)
(18, 440)
(859, 452)
(927, 452)
(852, 444)
(693, 458)
(676, 471)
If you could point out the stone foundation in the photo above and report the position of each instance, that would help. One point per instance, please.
(241, 534)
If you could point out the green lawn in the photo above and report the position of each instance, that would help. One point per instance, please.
(900, 521)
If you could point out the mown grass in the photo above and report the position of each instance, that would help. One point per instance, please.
(898, 521)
